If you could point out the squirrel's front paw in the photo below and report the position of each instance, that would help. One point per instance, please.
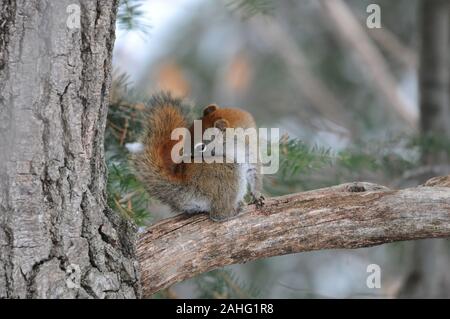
(257, 200)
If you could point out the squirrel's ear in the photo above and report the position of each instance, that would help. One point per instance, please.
(221, 124)
(209, 109)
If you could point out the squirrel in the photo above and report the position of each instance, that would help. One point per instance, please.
(214, 188)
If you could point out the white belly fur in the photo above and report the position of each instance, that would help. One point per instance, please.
(242, 188)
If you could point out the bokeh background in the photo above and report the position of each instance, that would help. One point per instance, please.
(353, 103)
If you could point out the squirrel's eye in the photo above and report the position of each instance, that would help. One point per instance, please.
(200, 147)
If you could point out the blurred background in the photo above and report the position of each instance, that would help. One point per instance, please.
(354, 104)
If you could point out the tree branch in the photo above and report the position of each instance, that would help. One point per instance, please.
(346, 216)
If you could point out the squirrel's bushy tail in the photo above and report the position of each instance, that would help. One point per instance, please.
(153, 164)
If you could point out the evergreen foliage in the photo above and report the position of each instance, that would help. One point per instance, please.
(130, 16)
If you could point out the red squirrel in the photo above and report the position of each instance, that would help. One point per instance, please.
(214, 188)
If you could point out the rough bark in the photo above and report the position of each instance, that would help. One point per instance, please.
(57, 237)
(345, 216)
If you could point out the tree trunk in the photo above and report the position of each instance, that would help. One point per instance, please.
(58, 239)
(429, 276)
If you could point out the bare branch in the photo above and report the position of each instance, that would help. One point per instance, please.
(347, 27)
(392, 44)
(315, 91)
(346, 216)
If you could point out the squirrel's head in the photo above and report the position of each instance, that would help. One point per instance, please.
(211, 118)
(222, 118)
(215, 116)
